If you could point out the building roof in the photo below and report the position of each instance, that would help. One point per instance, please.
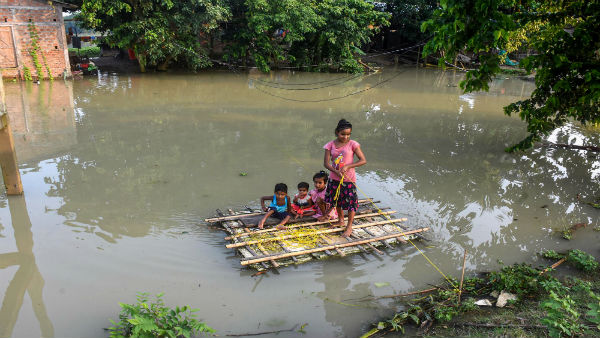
(64, 4)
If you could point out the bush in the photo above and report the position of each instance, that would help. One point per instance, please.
(89, 52)
(156, 320)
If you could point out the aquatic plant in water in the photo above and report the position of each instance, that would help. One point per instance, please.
(154, 319)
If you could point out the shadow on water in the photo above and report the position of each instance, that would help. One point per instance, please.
(27, 278)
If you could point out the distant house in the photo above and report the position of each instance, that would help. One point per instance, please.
(17, 17)
(78, 37)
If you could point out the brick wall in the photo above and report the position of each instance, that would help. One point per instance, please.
(15, 40)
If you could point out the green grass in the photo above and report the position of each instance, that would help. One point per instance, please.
(547, 305)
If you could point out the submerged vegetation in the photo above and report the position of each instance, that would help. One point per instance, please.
(539, 304)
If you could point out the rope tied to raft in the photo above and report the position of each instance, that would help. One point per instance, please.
(456, 289)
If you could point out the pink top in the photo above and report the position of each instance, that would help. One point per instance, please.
(315, 195)
(342, 156)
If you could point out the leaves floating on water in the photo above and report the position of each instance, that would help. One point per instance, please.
(381, 284)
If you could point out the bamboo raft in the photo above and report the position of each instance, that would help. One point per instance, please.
(306, 238)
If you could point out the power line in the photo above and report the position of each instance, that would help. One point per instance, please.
(306, 83)
(267, 84)
(333, 98)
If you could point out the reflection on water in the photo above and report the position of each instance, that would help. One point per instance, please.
(27, 278)
(121, 170)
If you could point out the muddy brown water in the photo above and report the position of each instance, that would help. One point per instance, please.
(120, 171)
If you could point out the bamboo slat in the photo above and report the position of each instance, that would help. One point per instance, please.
(328, 241)
(329, 247)
(232, 217)
(248, 248)
(324, 231)
(298, 225)
(368, 244)
(272, 261)
(373, 235)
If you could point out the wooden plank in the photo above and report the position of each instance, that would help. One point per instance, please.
(8, 158)
(324, 231)
(232, 217)
(298, 225)
(329, 247)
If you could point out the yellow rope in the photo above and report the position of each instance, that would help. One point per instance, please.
(389, 218)
(408, 239)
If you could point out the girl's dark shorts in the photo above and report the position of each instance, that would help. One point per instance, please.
(347, 200)
(277, 214)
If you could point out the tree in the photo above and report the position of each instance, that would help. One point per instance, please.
(565, 38)
(407, 17)
(159, 31)
(263, 30)
(305, 33)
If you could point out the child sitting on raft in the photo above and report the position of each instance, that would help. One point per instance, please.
(279, 208)
(317, 196)
(303, 204)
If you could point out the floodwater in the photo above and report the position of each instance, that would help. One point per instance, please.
(120, 171)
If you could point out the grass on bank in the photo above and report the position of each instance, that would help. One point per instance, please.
(546, 306)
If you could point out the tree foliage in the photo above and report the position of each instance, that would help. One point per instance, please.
(159, 31)
(565, 38)
(407, 17)
(326, 33)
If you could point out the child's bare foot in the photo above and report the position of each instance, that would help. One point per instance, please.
(280, 227)
(347, 233)
(261, 225)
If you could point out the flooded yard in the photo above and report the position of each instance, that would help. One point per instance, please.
(120, 171)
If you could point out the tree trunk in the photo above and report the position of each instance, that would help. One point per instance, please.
(141, 60)
(164, 65)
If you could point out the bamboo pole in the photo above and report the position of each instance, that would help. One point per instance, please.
(407, 294)
(232, 217)
(329, 247)
(297, 225)
(324, 231)
(250, 250)
(260, 247)
(553, 266)
(369, 245)
(462, 276)
(326, 240)
(265, 252)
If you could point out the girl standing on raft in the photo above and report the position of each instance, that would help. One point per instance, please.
(341, 187)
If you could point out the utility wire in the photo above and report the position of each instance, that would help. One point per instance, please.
(267, 84)
(332, 98)
(304, 84)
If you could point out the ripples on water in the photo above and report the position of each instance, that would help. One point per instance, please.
(119, 171)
